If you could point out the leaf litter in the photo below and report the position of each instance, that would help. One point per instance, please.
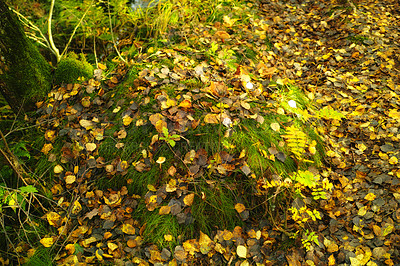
(343, 54)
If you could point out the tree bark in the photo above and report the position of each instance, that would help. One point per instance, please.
(25, 76)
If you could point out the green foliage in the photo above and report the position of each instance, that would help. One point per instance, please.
(310, 237)
(71, 68)
(41, 257)
(170, 139)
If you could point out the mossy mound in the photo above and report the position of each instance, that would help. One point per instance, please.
(71, 68)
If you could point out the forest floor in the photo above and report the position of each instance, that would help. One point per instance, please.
(344, 55)
(350, 59)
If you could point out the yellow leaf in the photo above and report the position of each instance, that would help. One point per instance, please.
(160, 124)
(227, 235)
(239, 207)
(370, 196)
(228, 22)
(188, 200)
(383, 156)
(101, 66)
(47, 241)
(70, 248)
(331, 246)
(151, 187)
(116, 109)
(53, 218)
(222, 35)
(241, 251)
(331, 260)
(46, 148)
(69, 179)
(205, 243)
(168, 238)
(211, 118)
(186, 104)
(112, 246)
(77, 207)
(128, 229)
(127, 120)
(87, 124)
(275, 127)
(58, 169)
(245, 105)
(50, 135)
(362, 211)
(393, 160)
(191, 246)
(98, 255)
(377, 230)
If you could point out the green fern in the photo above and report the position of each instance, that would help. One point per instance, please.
(296, 140)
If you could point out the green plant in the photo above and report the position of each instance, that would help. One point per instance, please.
(170, 139)
(309, 237)
(15, 198)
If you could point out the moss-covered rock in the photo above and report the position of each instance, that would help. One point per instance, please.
(71, 68)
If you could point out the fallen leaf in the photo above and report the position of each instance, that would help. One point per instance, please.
(188, 199)
(47, 242)
(241, 251)
(128, 229)
(370, 196)
(239, 207)
(275, 127)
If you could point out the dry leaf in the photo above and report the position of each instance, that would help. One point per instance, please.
(128, 229)
(241, 251)
(275, 127)
(188, 199)
(239, 207)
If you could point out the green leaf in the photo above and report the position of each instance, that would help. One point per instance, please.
(172, 142)
(28, 189)
(78, 249)
(165, 131)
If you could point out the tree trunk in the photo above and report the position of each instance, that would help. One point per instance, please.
(25, 76)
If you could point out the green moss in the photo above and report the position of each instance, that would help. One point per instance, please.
(24, 71)
(71, 68)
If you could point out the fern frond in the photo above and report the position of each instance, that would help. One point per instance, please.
(296, 141)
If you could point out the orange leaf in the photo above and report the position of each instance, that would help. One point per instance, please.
(239, 207)
(164, 210)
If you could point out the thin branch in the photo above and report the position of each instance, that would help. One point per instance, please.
(53, 47)
(112, 35)
(76, 27)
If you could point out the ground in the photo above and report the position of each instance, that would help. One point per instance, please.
(344, 58)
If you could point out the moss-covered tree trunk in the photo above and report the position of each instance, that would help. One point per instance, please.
(25, 76)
